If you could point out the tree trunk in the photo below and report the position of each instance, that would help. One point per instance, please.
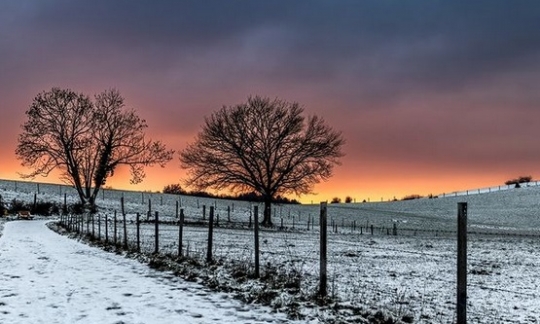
(267, 220)
(81, 194)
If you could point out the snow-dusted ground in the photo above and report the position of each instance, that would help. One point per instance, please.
(411, 273)
(48, 278)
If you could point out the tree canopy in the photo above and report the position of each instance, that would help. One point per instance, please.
(86, 140)
(263, 145)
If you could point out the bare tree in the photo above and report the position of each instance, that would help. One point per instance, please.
(86, 140)
(262, 145)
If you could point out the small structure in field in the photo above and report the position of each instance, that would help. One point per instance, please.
(24, 214)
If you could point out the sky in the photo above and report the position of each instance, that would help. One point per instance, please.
(431, 96)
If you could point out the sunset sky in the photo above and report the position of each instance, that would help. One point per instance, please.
(431, 96)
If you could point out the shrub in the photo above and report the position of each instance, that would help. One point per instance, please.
(45, 208)
(348, 199)
(18, 205)
(335, 200)
(76, 208)
(175, 189)
(517, 181)
(412, 197)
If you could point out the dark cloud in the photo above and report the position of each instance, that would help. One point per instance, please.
(406, 80)
(433, 44)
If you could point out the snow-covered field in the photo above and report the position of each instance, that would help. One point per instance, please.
(412, 273)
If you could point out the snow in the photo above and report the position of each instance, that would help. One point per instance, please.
(413, 273)
(47, 278)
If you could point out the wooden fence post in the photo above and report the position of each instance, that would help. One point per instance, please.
(229, 214)
(203, 212)
(99, 227)
(93, 228)
(462, 264)
(210, 235)
(115, 230)
(138, 224)
(125, 226)
(256, 223)
(149, 209)
(323, 250)
(180, 231)
(35, 203)
(106, 229)
(156, 249)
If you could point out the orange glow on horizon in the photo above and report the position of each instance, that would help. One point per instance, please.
(372, 187)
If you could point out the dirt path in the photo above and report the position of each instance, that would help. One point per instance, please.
(48, 278)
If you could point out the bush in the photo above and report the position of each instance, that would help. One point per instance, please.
(335, 200)
(175, 189)
(76, 208)
(517, 181)
(348, 199)
(45, 208)
(18, 205)
(412, 197)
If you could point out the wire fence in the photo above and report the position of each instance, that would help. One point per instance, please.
(406, 273)
(400, 256)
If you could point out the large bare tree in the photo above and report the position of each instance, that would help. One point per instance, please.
(86, 140)
(263, 145)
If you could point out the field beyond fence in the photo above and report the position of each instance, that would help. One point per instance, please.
(399, 257)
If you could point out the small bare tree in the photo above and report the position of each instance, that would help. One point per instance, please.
(262, 145)
(86, 140)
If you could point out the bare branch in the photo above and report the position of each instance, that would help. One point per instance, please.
(86, 140)
(263, 145)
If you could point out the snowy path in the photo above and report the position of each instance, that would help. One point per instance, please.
(48, 278)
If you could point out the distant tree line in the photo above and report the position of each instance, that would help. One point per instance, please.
(176, 189)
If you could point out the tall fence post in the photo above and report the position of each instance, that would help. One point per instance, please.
(210, 235)
(156, 249)
(256, 223)
(462, 264)
(106, 229)
(138, 225)
(180, 231)
(149, 209)
(115, 229)
(204, 212)
(323, 250)
(125, 225)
